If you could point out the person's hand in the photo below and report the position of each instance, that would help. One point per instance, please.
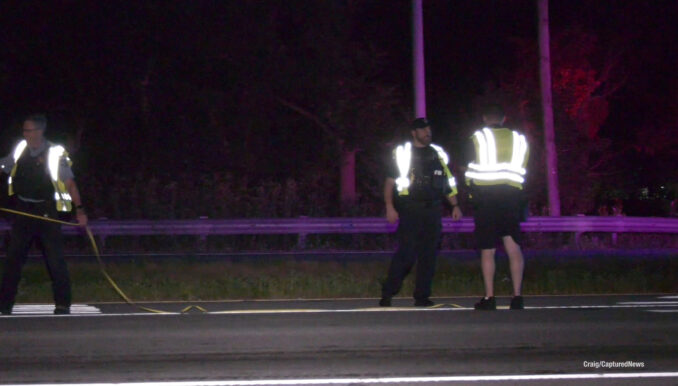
(81, 216)
(391, 214)
(456, 213)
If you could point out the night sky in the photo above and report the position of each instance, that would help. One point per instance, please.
(145, 81)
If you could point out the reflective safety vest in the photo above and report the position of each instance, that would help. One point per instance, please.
(54, 155)
(403, 156)
(501, 158)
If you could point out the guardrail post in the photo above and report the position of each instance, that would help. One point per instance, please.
(202, 238)
(101, 236)
(301, 241)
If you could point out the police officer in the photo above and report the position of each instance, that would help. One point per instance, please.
(418, 181)
(42, 182)
(495, 175)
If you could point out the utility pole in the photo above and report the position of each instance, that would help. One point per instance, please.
(547, 108)
(418, 60)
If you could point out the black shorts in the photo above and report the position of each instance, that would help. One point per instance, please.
(498, 211)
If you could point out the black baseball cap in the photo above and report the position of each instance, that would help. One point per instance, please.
(419, 123)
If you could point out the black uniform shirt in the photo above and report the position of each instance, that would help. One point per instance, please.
(32, 180)
(428, 181)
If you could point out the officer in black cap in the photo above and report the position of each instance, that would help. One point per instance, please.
(418, 181)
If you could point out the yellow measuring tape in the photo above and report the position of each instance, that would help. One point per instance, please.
(102, 268)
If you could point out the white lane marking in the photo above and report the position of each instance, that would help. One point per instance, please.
(597, 306)
(23, 309)
(242, 312)
(326, 311)
(413, 309)
(80, 310)
(654, 304)
(343, 381)
(37, 316)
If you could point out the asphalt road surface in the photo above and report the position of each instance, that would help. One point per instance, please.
(607, 340)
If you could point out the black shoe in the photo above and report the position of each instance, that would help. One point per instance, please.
(517, 303)
(385, 302)
(424, 303)
(5, 312)
(486, 304)
(62, 310)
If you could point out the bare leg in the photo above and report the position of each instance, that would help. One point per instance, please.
(488, 267)
(516, 262)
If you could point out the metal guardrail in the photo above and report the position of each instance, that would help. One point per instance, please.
(357, 225)
(304, 226)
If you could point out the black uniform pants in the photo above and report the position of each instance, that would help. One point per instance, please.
(418, 238)
(25, 230)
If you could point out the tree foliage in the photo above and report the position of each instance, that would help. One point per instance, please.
(585, 78)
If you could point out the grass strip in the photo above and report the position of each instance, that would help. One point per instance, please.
(172, 279)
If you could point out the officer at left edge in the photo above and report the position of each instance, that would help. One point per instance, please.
(41, 179)
(418, 182)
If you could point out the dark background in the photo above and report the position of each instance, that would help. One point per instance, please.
(244, 108)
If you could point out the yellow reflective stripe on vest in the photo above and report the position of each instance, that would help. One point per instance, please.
(498, 167)
(444, 160)
(495, 176)
(518, 159)
(481, 148)
(403, 159)
(441, 153)
(491, 147)
(55, 153)
(61, 195)
(18, 150)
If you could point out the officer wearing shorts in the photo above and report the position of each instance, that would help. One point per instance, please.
(495, 175)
